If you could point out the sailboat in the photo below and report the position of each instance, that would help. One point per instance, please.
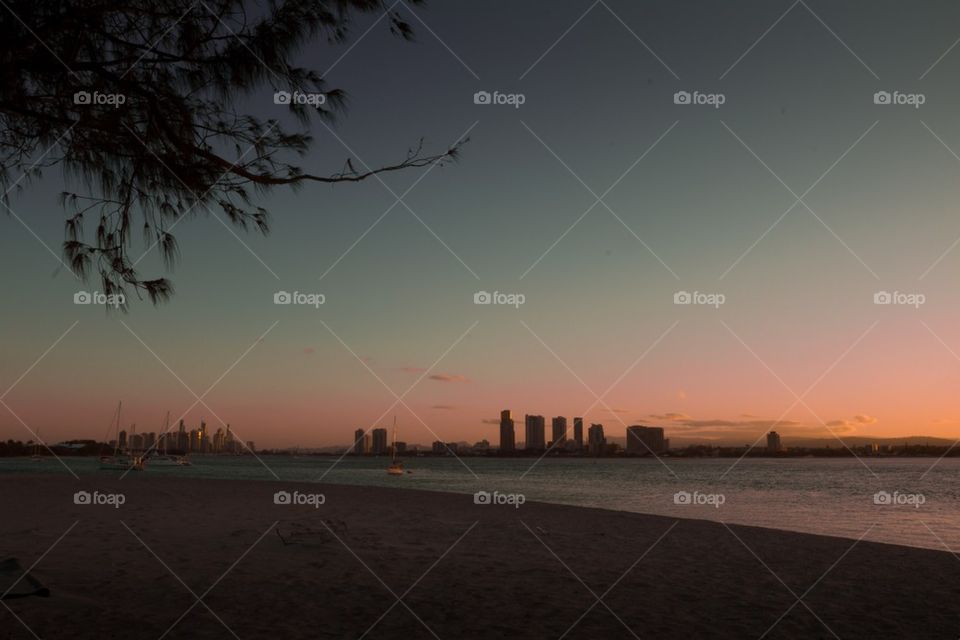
(164, 459)
(120, 461)
(396, 467)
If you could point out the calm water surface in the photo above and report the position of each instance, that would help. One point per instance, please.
(827, 496)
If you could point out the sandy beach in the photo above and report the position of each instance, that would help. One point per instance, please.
(382, 563)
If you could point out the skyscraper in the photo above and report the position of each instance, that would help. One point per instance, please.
(535, 433)
(229, 442)
(379, 445)
(183, 440)
(559, 431)
(578, 432)
(645, 440)
(773, 442)
(508, 438)
(596, 441)
(204, 439)
(358, 442)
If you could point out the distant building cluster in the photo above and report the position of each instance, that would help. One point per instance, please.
(372, 443)
(183, 441)
(640, 440)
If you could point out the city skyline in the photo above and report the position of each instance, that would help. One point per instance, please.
(375, 440)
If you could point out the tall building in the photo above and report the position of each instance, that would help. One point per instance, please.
(578, 432)
(219, 439)
(596, 442)
(228, 442)
(645, 440)
(183, 440)
(378, 446)
(559, 431)
(358, 438)
(535, 433)
(204, 439)
(122, 440)
(773, 442)
(508, 436)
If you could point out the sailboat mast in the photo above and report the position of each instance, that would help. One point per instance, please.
(116, 446)
(166, 431)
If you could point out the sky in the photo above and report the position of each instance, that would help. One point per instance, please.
(787, 209)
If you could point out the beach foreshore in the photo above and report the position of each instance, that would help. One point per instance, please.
(147, 557)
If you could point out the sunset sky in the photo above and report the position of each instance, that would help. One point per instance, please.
(701, 211)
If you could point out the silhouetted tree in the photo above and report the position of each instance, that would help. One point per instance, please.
(134, 99)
